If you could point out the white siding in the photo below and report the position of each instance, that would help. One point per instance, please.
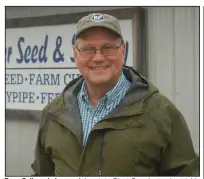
(173, 57)
(21, 135)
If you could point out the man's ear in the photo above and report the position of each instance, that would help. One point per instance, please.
(123, 48)
(74, 51)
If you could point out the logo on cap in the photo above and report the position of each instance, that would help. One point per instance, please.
(97, 17)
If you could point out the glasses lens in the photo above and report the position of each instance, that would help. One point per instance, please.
(109, 50)
(89, 52)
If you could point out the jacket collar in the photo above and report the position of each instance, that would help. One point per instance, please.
(139, 90)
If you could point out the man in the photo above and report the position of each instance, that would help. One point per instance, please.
(111, 121)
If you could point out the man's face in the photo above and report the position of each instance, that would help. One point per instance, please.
(97, 67)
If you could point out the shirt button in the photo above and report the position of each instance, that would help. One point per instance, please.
(95, 118)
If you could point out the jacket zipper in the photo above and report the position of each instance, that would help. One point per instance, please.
(99, 172)
(101, 155)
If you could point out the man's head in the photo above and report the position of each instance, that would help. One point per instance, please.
(99, 49)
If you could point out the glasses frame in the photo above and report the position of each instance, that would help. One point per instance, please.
(101, 50)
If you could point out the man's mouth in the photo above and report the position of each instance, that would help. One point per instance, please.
(99, 68)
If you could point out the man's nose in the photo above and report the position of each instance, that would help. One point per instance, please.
(98, 55)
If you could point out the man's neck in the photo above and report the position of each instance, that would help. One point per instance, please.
(96, 92)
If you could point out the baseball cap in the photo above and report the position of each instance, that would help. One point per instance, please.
(98, 20)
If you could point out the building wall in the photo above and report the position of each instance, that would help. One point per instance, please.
(21, 136)
(173, 66)
(20, 12)
(173, 59)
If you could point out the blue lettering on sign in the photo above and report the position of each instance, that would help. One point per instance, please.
(32, 54)
(73, 42)
(8, 54)
(60, 57)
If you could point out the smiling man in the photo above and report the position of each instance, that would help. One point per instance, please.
(111, 121)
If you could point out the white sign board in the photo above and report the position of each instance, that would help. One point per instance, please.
(40, 63)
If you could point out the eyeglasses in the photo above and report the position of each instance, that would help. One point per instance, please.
(89, 52)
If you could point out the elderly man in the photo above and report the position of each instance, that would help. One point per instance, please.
(111, 121)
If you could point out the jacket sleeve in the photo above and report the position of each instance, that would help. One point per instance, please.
(179, 157)
(42, 165)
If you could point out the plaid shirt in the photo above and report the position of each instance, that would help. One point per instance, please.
(90, 115)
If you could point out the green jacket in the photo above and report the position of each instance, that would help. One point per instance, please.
(145, 135)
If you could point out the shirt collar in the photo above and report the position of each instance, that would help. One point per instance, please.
(83, 92)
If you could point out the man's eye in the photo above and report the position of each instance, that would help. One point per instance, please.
(87, 49)
(108, 47)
